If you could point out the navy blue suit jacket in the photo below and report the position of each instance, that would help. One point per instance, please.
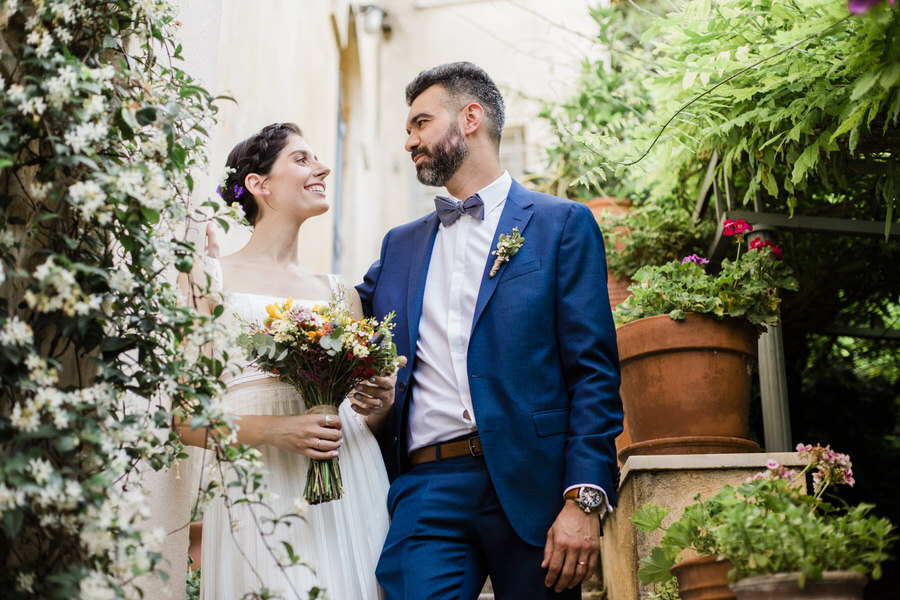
(542, 358)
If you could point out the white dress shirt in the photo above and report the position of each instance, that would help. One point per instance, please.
(441, 409)
(442, 404)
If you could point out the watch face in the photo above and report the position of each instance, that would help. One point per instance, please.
(589, 497)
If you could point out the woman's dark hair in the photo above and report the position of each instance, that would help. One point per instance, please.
(256, 154)
(464, 83)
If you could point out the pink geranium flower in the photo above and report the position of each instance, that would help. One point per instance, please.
(735, 227)
(757, 243)
(693, 258)
(858, 7)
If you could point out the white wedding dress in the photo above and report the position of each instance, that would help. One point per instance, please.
(338, 542)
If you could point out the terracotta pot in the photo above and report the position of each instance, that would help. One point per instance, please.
(196, 538)
(604, 207)
(703, 578)
(834, 585)
(616, 286)
(686, 384)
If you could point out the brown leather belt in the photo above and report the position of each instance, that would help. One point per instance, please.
(467, 447)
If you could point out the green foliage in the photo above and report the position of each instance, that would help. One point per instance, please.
(653, 234)
(771, 527)
(794, 96)
(691, 531)
(607, 106)
(100, 353)
(746, 288)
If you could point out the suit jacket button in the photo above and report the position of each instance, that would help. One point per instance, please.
(401, 386)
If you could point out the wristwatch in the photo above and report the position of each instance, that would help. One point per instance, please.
(587, 499)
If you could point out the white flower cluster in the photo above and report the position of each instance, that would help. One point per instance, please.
(354, 340)
(16, 332)
(60, 291)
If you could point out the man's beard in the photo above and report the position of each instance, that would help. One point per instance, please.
(443, 160)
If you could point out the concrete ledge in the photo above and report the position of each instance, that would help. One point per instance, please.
(671, 481)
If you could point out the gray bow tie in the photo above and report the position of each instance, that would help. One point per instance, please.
(449, 211)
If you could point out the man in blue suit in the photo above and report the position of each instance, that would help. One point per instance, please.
(500, 443)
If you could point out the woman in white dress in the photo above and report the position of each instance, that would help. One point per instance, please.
(280, 184)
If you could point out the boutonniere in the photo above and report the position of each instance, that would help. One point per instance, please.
(507, 246)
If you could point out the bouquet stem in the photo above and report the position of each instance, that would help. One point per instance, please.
(323, 478)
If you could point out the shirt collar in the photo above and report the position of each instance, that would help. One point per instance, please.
(494, 193)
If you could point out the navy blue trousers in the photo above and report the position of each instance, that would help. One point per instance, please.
(448, 533)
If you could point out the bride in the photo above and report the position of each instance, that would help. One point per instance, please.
(277, 179)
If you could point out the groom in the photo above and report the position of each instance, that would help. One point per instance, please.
(500, 444)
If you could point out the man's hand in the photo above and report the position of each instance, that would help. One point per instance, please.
(572, 548)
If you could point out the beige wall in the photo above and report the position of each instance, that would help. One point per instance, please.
(532, 49)
(279, 60)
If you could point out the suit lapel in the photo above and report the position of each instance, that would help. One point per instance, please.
(418, 271)
(516, 213)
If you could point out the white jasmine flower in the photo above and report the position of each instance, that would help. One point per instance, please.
(25, 582)
(93, 106)
(7, 238)
(10, 498)
(58, 91)
(25, 417)
(16, 93)
(16, 332)
(95, 587)
(34, 106)
(41, 470)
(88, 197)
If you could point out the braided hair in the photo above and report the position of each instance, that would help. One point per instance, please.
(256, 154)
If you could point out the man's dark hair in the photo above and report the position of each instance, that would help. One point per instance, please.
(464, 83)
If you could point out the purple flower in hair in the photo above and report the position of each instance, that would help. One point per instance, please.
(693, 258)
(238, 191)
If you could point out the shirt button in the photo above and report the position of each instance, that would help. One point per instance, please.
(401, 386)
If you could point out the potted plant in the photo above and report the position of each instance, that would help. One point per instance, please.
(777, 537)
(687, 344)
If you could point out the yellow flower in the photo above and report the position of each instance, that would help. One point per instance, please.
(274, 312)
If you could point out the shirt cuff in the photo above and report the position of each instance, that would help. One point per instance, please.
(605, 506)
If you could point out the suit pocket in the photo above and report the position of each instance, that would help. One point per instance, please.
(513, 270)
(551, 422)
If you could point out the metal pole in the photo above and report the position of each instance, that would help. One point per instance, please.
(773, 384)
(338, 179)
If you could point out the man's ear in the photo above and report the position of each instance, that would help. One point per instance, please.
(255, 184)
(473, 116)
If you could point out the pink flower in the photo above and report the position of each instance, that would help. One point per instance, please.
(858, 7)
(693, 258)
(735, 227)
(758, 243)
(772, 464)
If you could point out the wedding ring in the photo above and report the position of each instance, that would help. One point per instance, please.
(581, 563)
(318, 443)
(328, 419)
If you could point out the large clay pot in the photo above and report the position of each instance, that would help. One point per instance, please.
(703, 578)
(834, 585)
(603, 209)
(616, 286)
(686, 384)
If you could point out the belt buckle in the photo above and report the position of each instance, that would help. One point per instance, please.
(471, 444)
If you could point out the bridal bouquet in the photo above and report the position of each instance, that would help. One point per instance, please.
(324, 353)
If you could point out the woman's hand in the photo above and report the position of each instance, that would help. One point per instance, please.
(312, 435)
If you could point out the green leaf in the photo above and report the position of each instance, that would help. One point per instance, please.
(12, 522)
(649, 517)
(656, 567)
